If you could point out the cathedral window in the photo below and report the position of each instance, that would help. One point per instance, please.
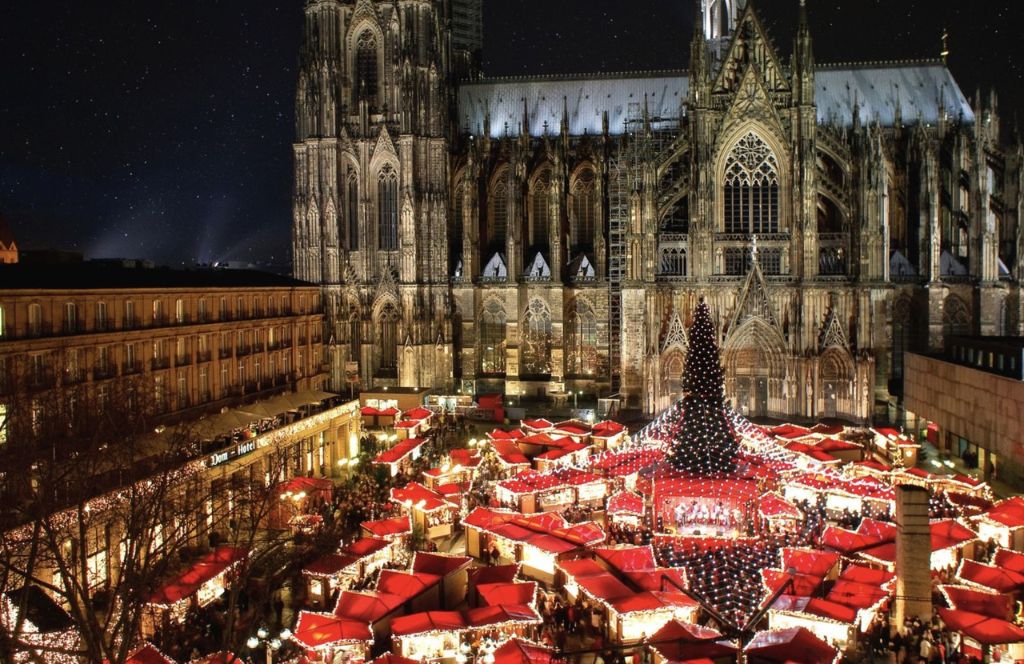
(352, 210)
(584, 210)
(455, 225)
(492, 339)
(388, 326)
(498, 231)
(582, 352)
(366, 68)
(387, 208)
(540, 213)
(537, 340)
(673, 262)
(736, 261)
(771, 261)
(751, 202)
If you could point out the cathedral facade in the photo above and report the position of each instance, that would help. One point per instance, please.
(551, 235)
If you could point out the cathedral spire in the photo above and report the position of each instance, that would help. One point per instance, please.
(803, 58)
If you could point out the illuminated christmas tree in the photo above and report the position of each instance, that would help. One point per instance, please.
(706, 443)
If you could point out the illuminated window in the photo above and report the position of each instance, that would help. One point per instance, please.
(455, 225)
(492, 339)
(540, 222)
(536, 350)
(70, 318)
(352, 209)
(35, 319)
(673, 261)
(388, 322)
(582, 351)
(751, 188)
(179, 311)
(387, 208)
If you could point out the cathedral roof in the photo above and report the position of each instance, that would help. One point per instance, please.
(922, 90)
(6, 234)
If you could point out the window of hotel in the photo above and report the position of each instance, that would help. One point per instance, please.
(223, 308)
(158, 311)
(70, 318)
(102, 361)
(129, 314)
(256, 312)
(101, 315)
(240, 307)
(35, 319)
(202, 310)
(179, 311)
(204, 384)
(751, 202)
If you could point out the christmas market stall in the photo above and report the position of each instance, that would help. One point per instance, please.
(379, 418)
(199, 585)
(428, 636)
(399, 458)
(374, 608)
(532, 491)
(222, 657)
(1003, 524)
(452, 570)
(298, 500)
(459, 467)
(777, 514)
(338, 571)
(679, 641)
(984, 621)
(608, 435)
(521, 651)
(625, 507)
(537, 541)
(794, 645)
(990, 577)
(433, 512)
(894, 447)
(326, 636)
(394, 529)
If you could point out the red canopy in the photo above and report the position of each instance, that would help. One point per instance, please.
(538, 425)
(856, 595)
(389, 527)
(628, 558)
(796, 644)
(479, 576)
(626, 502)
(867, 575)
(391, 658)
(494, 594)
(419, 414)
(489, 616)
(990, 576)
(399, 451)
(1009, 512)
(329, 565)
(307, 485)
(416, 495)
(993, 605)
(427, 621)
(1011, 560)
(315, 630)
(367, 607)
(405, 585)
(518, 651)
(949, 533)
(223, 657)
(438, 564)
(501, 434)
(604, 586)
(805, 561)
(365, 546)
(773, 506)
(208, 567)
(148, 654)
(803, 585)
(981, 628)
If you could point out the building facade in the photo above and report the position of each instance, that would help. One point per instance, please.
(543, 235)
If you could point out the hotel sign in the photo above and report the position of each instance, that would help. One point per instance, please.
(239, 450)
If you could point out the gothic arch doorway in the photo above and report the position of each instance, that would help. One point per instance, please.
(754, 367)
(672, 366)
(836, 375)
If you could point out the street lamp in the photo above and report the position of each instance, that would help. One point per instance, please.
(270, 645)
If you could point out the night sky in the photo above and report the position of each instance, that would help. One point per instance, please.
(163, 129)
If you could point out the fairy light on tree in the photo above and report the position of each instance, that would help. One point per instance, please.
(706, 443)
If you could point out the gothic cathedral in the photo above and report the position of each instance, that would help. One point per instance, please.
(540, 235)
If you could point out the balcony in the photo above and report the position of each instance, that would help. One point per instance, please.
(130, 368)
(203, 356)
(41, 379)
(102, 325)
(103, 372)
(160, 320)
(224, 353)
(245, 349)
(73, 327)
(158, 363)
(183, 319)
(182, 360)
(130, 323)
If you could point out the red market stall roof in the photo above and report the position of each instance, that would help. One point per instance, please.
(867, 575)
(628, 558)
(399, 451)
(501, 434)
(531, 481)
(540, 530)
(370, 411)
(391, 658)
(419, 414)
(626, 502)
(307, 485)
(427, 621)
(223, 657)
(682, 642)
(990, 576)
(538, 425)
(869, 534)
(365, 546)
(607, 429)
(796, 644)
(329, 565)
(993, 605)
(807, 561)
(581, 568)
(871, 464)
(736, 490)
(148, 654)
(604, 586)
(789, 431)
(774, 506)
(518, 651)
(490, 616)
(404, 584)
(828, 429)
(416, 495)
(439, 564)
(856, 595)
(207, 568)
(408, 424)
(653, 601)
(388, 527)
(509, 453)
(367, 607)
(1009, 512)
(949, 533)
(316, 630)
(983, 629)
(495, 594)
(836, 445)
(801, 585)
(1011, 560)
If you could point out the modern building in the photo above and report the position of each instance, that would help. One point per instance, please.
(543, 235)
(973, 396)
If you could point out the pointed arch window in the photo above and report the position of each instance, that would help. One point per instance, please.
(537, 339)
(352, 209)
(540, 212)
(751, 202)
(582, 351)
(492, 339)
(455, 226)
(584, 210)
(498, 229)
(388, 325)
(387, 208)
(366, 68)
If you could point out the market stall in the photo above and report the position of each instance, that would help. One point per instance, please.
(199, 585)
(1003, 523)
(794, 645)
(399, 458)
(679, 641)
(329, 636)
(520, 651)
(429, 635)
(625, 507)
(327, 574)
(388, 529)
(777, 514)
(297, 501)
(608, 435)
(554, 491)
(452, 570)
(435, 513)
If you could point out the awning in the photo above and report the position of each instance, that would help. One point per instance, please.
(993, 605)
(388, 527)
(438, 564)
(148, 654)
(796, 644)
(207, 568)
(626, 502)
(990, 576)
(774, 506)
(405, 585)
(981, 628)
(496, 594)
(493, 616)
(427, 621)
(317, 630)
(367, 607)
(518, 651)
(329, 565)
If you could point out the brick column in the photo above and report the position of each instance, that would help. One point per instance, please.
(913, 556)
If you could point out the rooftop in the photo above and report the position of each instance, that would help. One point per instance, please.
(90, 275)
